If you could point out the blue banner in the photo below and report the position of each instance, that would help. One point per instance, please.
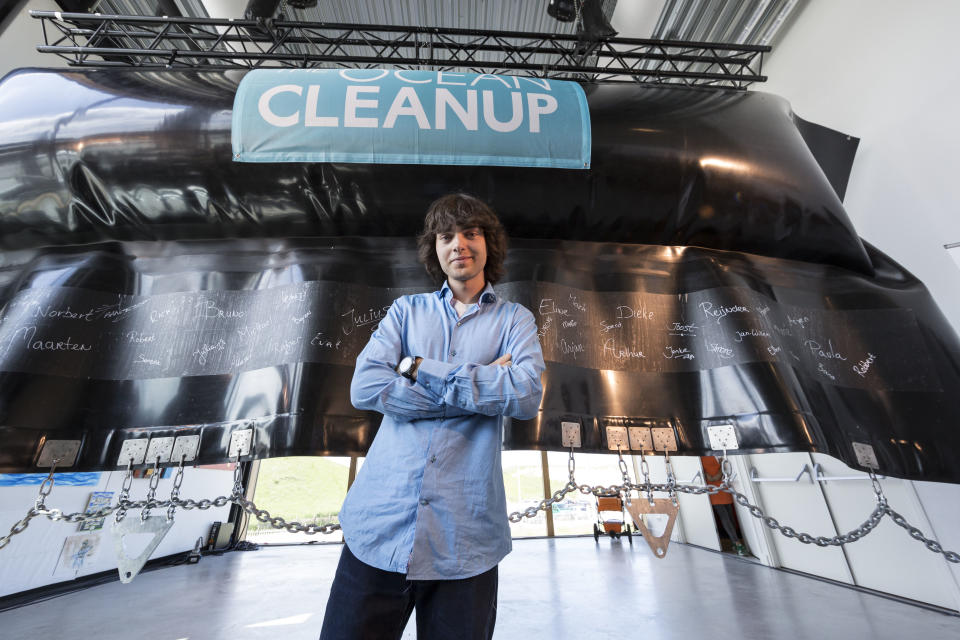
(410, 117)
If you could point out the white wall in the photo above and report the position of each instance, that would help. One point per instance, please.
(885, 72)
(887, 559)
(18, 43)
(30, 560)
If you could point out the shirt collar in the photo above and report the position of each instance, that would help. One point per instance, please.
(487, 295)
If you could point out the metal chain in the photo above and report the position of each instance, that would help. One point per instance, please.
(645, 470)
(175, 492)
(671, 479)
(124, 504)
(46, 487)
(152, 492)
(125, 492)
(624, 472)
(871, 523)
(38, 506)
(558, 495)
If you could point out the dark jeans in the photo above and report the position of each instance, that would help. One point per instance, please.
(725, 514)
(367, 603)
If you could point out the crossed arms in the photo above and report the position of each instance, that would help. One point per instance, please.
(445, 389)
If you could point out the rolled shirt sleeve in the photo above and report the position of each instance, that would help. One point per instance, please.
(376, 386)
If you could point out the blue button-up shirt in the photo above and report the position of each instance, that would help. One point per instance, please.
(429, 499)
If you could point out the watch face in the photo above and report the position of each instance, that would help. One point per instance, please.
(405, 365)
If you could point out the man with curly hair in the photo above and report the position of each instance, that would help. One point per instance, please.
(425, 523)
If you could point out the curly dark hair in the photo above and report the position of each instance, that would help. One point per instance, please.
(459, 210)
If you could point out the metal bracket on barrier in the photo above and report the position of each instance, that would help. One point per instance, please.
(664, 439)
(723, 437)
(63, 451)
(866, 457)
(640, 438)
(128, 566)
(132, 452)
(805, 470)
(641, 507)
(240, 443)
(185, 447)
(159, 450)
(570, 434)
(617, 439)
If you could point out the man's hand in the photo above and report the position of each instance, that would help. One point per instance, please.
(505, 360)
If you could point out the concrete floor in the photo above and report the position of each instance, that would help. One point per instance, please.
(570, 588)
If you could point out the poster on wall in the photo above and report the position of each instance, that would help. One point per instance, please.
(76, 553)
(98, 500)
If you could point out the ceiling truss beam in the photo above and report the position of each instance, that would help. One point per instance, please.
(152, 42)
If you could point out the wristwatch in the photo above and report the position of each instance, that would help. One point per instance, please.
(408, 366)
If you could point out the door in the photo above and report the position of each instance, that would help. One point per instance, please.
(696, 512)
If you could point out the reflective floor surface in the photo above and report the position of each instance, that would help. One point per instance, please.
(570, 588)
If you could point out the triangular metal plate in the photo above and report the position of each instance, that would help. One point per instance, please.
(639, 507)
(130, 567)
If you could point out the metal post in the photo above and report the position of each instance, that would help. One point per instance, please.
(546, 491)
(352, 473)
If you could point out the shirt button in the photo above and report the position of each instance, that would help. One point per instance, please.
(453, 353)
(433, 458)
(424, 501)
(460, 323)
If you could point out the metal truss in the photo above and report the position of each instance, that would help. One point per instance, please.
(147, 42)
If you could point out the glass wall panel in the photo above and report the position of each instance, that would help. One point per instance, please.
(523, 481)
(577, 513)
(307, 490)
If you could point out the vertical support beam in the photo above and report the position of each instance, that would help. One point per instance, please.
(239, 517)
(767, 551)
(546, 491)
(352, 473)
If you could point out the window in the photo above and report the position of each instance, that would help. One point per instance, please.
(577, 513)
(523, 481)
(307, 490)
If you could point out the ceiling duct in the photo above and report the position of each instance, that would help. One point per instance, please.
(757, 22)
